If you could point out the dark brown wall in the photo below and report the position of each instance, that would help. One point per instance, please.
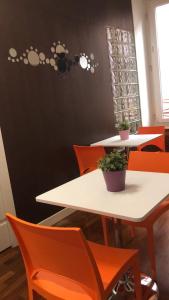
(43, 114)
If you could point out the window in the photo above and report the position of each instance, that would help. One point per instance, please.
(159, 24)
(123, 68)
(162, 25)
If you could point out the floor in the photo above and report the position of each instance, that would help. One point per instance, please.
(12, 274)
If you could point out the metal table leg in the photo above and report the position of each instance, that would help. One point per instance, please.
(126, 284)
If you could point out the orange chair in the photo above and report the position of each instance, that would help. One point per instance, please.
(152, 162)
(159, 142)
(60, 264)
(87, 158)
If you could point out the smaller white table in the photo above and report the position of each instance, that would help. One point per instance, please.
(134, 140)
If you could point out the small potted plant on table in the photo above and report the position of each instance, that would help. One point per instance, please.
(113, 166)
(124, 130)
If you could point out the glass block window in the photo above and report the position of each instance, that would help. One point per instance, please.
(123, 67)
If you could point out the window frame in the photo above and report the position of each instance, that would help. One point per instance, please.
(156, 86)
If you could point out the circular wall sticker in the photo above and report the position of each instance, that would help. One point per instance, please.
(12, 52)
(33, 58)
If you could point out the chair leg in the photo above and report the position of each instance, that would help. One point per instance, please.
(30, 293)
(137, 279)
(105, 230)
(132, 231)
(151, 251)
(114, 231)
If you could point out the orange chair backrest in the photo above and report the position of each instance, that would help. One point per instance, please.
(159, 142)
(149, 161)
(63, 251)
(87, 157)
(151, 130)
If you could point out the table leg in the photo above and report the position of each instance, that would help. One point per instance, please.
(105, 230)
(126, 284)
(118, 234)
(127, 150)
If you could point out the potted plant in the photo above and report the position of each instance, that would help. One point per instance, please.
(124, 130)
(113, 166)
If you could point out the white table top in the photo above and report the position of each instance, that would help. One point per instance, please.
(144, 191)
(133, 141)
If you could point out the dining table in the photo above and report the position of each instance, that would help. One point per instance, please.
(134, 140)
(144, 191)
(88, 193)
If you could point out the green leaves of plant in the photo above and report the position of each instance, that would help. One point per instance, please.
(114, 161)
(123, 125)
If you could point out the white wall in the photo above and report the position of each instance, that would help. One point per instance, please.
(7, 237)
(139, 8)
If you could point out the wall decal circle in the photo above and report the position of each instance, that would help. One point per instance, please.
(12, 52)
(33, 58)
(52, 49)
(83, 62)
(52, 62)
(92, 56)
(92, 70)
(60, 49)
(42, 56)
(25, 61)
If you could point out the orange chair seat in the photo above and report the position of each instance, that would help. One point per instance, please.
(108, 261)
(60, 264)
(55, 286)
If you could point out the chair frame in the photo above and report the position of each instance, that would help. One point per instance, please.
(89, 279)
(158, 142)
(87, 157)
(150, 162)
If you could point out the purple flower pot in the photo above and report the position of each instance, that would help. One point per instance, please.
(115, 180)
(124, 134)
